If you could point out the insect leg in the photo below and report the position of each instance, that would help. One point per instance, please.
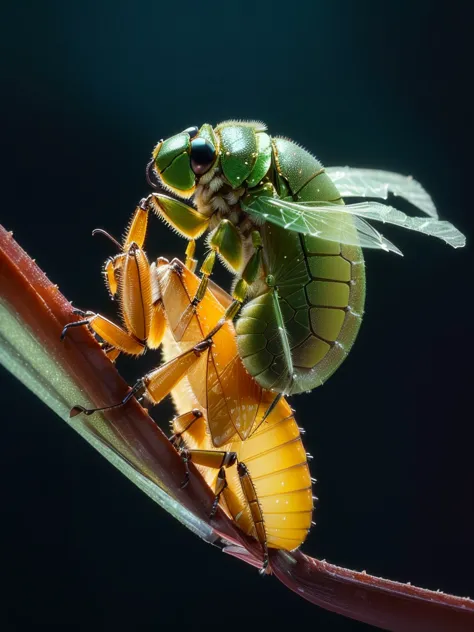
(191, 263)
(182, 423)
(249, 275)
(112, 268)
(187, 221)
(133, 240)
(221, 460)
(226, 242)
(157, 384)
(136, 231)
(109, 332)
(285, 343)
(111, 352)
(250, 494)
(214, 459)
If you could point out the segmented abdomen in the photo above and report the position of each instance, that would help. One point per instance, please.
(320, 286)
(276, 461)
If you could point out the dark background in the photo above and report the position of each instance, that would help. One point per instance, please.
(87, 90)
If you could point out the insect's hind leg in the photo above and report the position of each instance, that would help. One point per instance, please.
(250, 494)
(221, 460)
(214, 459)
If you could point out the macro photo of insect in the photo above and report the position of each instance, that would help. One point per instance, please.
(267, 333)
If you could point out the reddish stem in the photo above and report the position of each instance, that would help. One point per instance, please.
(380, 602)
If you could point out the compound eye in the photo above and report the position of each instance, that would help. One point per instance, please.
(192, 131)
(203, 154)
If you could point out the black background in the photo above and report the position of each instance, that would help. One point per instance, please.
(87, 89)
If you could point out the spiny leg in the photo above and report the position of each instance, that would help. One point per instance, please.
(223, 244)
(214, 459)
(133, 239)
(111, 352)
(129, 276)
(188, 221)
(182, 423)
(221, 460)
(139, 297)
(225, 241)
(250, 494)
(157, 384)
(111, 333)
(136, 229)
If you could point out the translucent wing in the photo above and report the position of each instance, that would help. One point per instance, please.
(378, 184)
(347, 224)
(334, 225)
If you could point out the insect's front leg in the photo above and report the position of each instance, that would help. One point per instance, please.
(133, 240)
(111, 333)
(137, 229)
(226, 242)
(185, 219)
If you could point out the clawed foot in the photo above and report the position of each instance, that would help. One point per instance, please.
(265, 566)
(78, 323)
(185, 482)
(215, 504)
(78, 410)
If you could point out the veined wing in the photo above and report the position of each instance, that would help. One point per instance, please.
(219, 381)
(347, 224)
(376, 183)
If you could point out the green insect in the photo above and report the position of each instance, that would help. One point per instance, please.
(276, 219)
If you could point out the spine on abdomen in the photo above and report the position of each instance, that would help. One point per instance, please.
(277, 463)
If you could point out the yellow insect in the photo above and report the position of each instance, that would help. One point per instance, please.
(257, 468)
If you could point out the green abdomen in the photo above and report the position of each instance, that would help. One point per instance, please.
(320, 287)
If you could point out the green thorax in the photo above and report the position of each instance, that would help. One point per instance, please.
(249, 156)
(245, 153)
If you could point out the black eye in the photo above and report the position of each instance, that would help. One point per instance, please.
(192, 131)
(203, 154)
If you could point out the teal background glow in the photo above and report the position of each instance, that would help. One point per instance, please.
(88, 88)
